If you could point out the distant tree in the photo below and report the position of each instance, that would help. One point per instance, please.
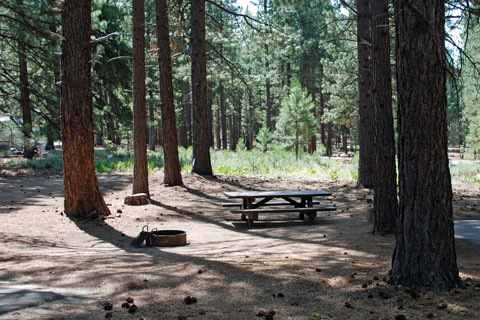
(385, 189)
(366, 166)
(201, 142)
(471, 80)
(140, 167)
(296, 122)
(425, 245)
(28, 146)
(173, 176)
(268, 95)
(82, 194)
(264, 138)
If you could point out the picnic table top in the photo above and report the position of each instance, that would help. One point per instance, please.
(277, 193)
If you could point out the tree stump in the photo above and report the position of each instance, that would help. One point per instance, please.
(138, 199)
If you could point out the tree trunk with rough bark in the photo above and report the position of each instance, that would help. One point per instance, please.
(201, 149)
(82, 194)
(173, 176)
(366, 166)
(425, 245)
(385, 190)
(140, 163)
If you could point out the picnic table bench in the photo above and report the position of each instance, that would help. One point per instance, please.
(300, 201)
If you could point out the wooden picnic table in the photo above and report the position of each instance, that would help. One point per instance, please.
(300, 201)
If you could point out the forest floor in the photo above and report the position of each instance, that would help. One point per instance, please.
(334, 269)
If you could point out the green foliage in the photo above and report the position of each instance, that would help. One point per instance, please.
(296, 123)
(465, 172)
(11, 133)
(354, 166)
(264, 138)
(277, 163)
(471, 94)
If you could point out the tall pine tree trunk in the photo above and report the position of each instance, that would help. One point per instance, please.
(230, 130)
(188, 116)
(267, 78)
(25, 104)
(82, 194)
(201, 150)
(366, 166)
(385, 191)
(425, 246)
(210, 119)
(173, 176)
(140, 164)
(217, 131)
(329, 140)
(223, 116)
(152, 132)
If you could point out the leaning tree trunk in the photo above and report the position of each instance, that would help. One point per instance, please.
(385, 191)
(201, 145)
(173, 175)
(140, 164)
(366, 165)
(82, 194)
(425, 248)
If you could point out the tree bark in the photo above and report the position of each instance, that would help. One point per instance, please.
(425, 245)
(82, 194)
(173, 176)
(201, 150)
(385, 191)
(366, 166)
(140, 164)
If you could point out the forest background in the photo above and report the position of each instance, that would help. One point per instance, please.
(282, 78)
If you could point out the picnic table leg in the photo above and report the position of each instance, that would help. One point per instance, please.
(248, 204)
(301, 216)
(311, 216)
(249, 221)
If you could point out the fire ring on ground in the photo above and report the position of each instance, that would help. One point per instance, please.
(169, 238)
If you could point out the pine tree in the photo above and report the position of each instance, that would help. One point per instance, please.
(82, 194)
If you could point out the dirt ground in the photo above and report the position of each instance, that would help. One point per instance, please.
(334, 269)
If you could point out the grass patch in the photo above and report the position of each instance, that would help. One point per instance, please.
(273, 163)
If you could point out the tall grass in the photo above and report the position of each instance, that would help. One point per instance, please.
(277, 163)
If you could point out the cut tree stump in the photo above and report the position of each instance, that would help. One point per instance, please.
(138, 199)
